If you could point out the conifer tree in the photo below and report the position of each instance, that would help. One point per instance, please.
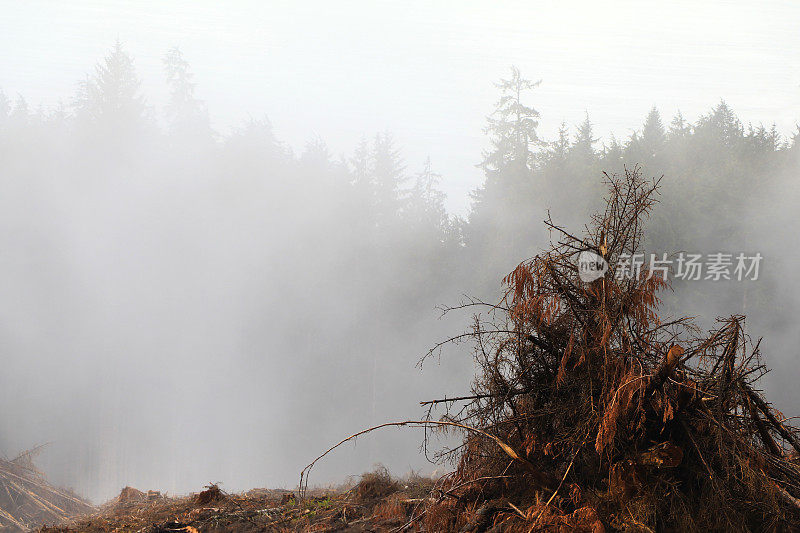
(512, 125)
(653, 134)
(110, 98)
(186, 114)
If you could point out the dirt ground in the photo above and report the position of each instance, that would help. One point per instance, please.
(376, 503)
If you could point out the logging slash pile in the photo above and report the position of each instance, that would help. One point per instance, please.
(590, 413)
(27, 500)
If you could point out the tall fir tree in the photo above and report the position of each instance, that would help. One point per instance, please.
(653, 134)
(583, 146)
(187, 116)
(426, 201)
(559, 149)
(679, 128)
(512, 125)
(501, 221)
(387, 179)
(110, 99)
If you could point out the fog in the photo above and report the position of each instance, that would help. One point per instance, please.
(225, 232)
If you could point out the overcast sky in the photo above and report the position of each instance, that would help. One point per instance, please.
(423, 70)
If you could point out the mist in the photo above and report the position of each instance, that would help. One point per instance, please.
(212, 275)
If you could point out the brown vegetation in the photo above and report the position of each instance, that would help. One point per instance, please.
(608, 417)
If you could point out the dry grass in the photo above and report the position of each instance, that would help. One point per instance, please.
(375, 485)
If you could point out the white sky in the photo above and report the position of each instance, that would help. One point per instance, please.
(423, 70)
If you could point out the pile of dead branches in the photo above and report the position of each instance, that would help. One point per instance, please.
(591, 413)
(27, 500)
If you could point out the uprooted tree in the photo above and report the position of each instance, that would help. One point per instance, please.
(614, 418)
(590, 413)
